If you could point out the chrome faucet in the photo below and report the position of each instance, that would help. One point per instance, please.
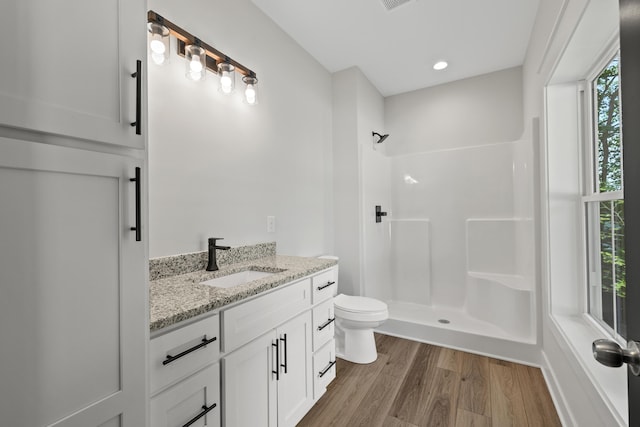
(213, 264)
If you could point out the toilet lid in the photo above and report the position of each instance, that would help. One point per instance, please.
(356, 304)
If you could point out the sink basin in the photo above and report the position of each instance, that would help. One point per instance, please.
(236, 279)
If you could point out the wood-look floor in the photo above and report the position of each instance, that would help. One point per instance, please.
(414, 384)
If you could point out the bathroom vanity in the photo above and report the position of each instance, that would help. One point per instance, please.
(259, 353)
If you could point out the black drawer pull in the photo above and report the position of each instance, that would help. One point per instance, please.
(326, 285)
(277, 359)
(327, 323)
(325, 370)
(204, 342)
(200, 415)
(138, 227)
(138, 76)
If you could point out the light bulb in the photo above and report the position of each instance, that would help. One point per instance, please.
(225, 83)
(195, 75)
(157, 45)
(158, 58)
(250, 94)
(195, 65)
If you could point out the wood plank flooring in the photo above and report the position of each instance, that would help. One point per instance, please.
(414, 384)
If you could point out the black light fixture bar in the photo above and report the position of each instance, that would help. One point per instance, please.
(214, 56)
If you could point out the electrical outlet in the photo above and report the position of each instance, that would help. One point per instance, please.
(271, 224)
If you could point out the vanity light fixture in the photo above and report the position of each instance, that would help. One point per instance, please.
(251, 91)
(200, 56)
(158, 41)
(227, 76)
(196, 61)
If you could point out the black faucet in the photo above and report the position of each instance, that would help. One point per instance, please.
(213, 264)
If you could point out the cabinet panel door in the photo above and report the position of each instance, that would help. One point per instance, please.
(186, 400)
(250, 394)
(73, 318)
(295, 387)
(67, 66)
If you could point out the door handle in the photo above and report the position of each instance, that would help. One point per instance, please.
(138, 227)
(609, 353)
(138, 76)
(284, 365)
(276, 359)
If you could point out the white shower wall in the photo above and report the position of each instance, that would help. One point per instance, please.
(446, 188)
(457, 244)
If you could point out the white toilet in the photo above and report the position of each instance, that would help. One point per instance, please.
(356, 317)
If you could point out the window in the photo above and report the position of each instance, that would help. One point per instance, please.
(604, 203)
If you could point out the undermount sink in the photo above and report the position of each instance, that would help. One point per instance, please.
(236, 279)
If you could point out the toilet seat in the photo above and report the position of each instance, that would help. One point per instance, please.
(356, 304)
(360, 308)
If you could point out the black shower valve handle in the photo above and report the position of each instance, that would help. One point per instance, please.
(379, 213)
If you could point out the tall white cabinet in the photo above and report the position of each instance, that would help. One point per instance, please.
(66, 67)
(73, 293)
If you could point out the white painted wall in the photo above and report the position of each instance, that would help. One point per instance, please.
(359, 110)
(581, 400)
(217, 166)
(481, 110)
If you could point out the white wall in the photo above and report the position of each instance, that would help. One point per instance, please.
(217, 166)
(358, 109)
(481, 110)
(580, 401)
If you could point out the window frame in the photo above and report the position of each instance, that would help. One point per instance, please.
(591, 194)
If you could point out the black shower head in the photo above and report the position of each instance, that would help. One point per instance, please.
(382, 137)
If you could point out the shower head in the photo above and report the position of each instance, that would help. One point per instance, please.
(382, 137)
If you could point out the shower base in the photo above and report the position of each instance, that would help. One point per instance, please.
(464, 332)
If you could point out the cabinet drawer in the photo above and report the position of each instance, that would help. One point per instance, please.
(251, 319)
(323, 324)
(180, 341)
(188, 399)
(325, 285)
(324, 368)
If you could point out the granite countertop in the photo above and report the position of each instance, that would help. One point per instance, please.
(181, 297)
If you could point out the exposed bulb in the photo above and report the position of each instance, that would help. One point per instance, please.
(195, 75)
(195, 65)
(157, 46)
(225, 83)
(158, 58)
(250, 94)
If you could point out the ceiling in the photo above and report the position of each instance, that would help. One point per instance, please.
(396, 48)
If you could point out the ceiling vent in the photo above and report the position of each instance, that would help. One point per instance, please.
(392, 4)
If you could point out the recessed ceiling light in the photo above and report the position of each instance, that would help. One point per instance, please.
(440, 65)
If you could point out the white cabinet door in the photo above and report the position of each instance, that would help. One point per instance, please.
(196, 399)
(250, 394)
(66, 67)
(295, 385)
(73, 312)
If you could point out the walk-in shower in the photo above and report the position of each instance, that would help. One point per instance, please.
(453, 259)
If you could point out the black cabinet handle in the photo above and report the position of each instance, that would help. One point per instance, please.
(327, 323)
(284, 365)
(277, 359)
(138, 76)
(325, 370)
(204, 343)
(200, 415)
(326, 285)
(138, 227)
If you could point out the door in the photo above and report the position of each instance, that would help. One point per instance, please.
(295, 386)
(73, 312)
(250, 380)
(609, 352)
(66, 67)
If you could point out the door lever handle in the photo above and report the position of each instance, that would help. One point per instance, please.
(609, 353)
